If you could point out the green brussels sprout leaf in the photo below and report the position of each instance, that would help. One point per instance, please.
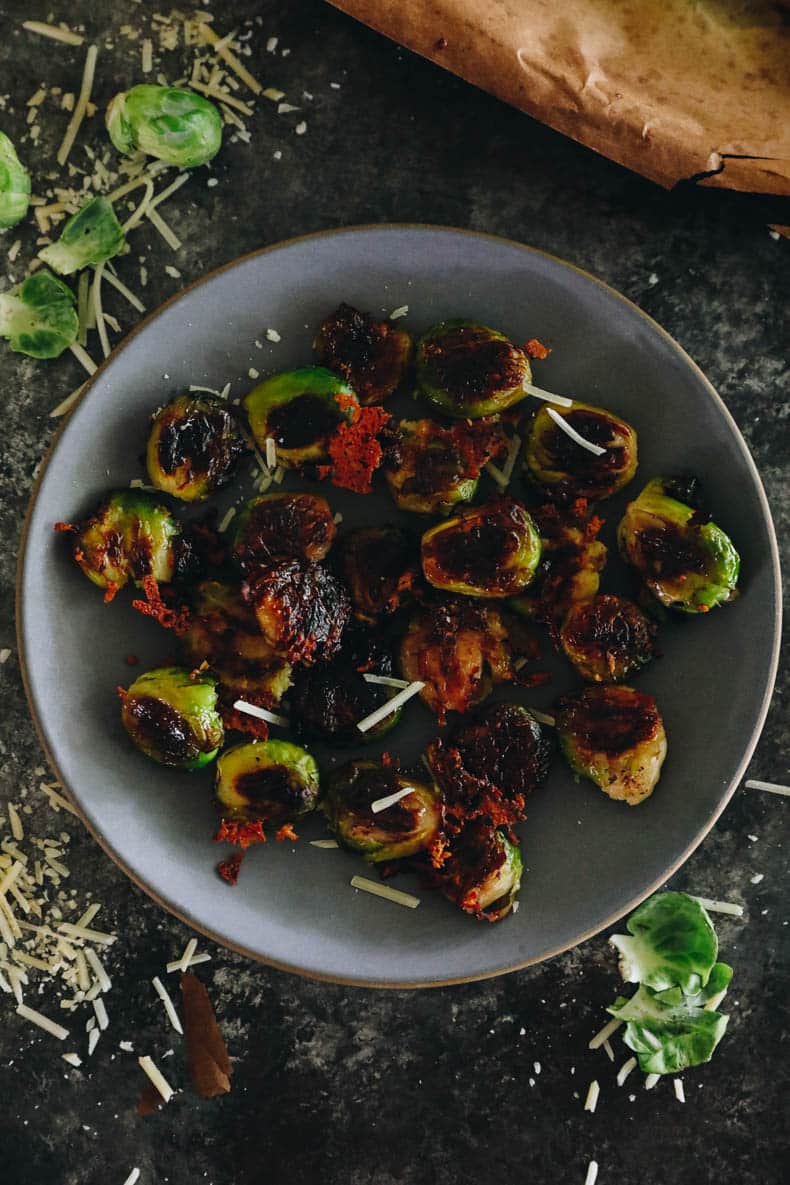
(38, 316)
(14, 185)
(175, 125)
(671, 943)
(669, 1031)
(90, 237)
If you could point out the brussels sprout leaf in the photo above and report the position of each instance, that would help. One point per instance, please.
(671, 943)
(38, 316)
(90, 236)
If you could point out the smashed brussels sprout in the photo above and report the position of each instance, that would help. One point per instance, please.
(571, 559)
(469, 371)
(684, 559)
(299, 410)
(483, 873)
(564, 470)
(607, 638)
(486, 551)
(379, 565)
(224, 633)
(171, 715)
(405, 828)
(193, 447)
(614, 736)
(302, 609)
(14, 185)
(371, 355)
(88, 238)
(432, 468)
(38, 316)
(279, 526)
(129, 537)
(270, 781)
(177, 126)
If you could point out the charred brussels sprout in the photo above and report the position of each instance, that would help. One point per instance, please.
(271, 781)
(564, 469)
(483, 873)
(684, 559)
(224, 633)
(572, 558)
(486, 551)
(299, 410)
(379, 566)
(171, 715)
(469, 371)
(458, 650)
(277, 526)
(329, 699)
(129, 537)
(615, 737)
(14, 185)
(88, 238)
(301, 609)
(405, 828)
(433, 468)
(38, 316)
(490, 764)
(607, 638)
(175, 125)
(193, 448)
(371, 355)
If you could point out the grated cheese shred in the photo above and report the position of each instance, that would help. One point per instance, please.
(324, 843)
(156, 1077)
(210, 37)
(43, 1022)
(547, 396)
(391, 706)
(728, 907)
(262, 713)
(383, 804)
(386, 680)
(592, 1173)
(377, 889)
(771, 787)
(575, 436)
(591, 1102)
(82, 104)
(170, 1009)
(680, 1094)
(625, 1070)
(604, 1034)
(53, 32)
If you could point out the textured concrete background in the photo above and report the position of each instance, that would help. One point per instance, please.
(334, 1085)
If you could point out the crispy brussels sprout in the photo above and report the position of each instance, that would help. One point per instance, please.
(459, 649)
(684, 559)
(299, 410)
(177, 126)
(571, 560)
(607, 638)
(564, 470)
(14, 185)
(129, 537)
(193, 447)
(302, 609)
(483, 873)
(270, 781)
(171, 715)
(614, 736)
(224, 633)
(469, 371)
(407, 827)
(278, 526)
(371, 355)
(490, 764)
(38, 316)
(89, 237)
(486, 551)
(432, 468)
(379, 566)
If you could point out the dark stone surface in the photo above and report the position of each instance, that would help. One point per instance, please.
(349, 1087)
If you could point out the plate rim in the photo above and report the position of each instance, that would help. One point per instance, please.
(696, 839)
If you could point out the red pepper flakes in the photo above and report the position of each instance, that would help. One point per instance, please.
(79, 554)
(439, 851)
(240, 833)
(354, 448)
(229, 869)
(131, 660)
(154, 606)
(536, 349)
(65, 527)
(286, 833)
(110, 592)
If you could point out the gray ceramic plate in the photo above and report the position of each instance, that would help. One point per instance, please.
(588, 860)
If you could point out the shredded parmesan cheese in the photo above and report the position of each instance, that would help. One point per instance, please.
(93, 1040)
(189, 950)
(163, 995)
(651, 1081)
(607, 1047)
(625, 1070)
(53, 32)
(562, 423)
(261, 713)
(271, 452)
(323, 843)
(133, 1178)
(82, 104)
(147, 56)
(74, 931)
(73, 1059)
(133, 300)
(43, 1022)
(226, 520)
(101, 1013)
(381, 890)
(208, 35)
(17, 830)
(547, 396)
(391, 706)
(591, 1102)
(386, 680)
(156, 1078)
(97, 967)
(195, 960)
(97, 310)
(735, 911)
(604, 1034)
(170, 237)
(679, 1092)
(83, 358)
(382, 804)
(592, 1173)
(771, 787)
